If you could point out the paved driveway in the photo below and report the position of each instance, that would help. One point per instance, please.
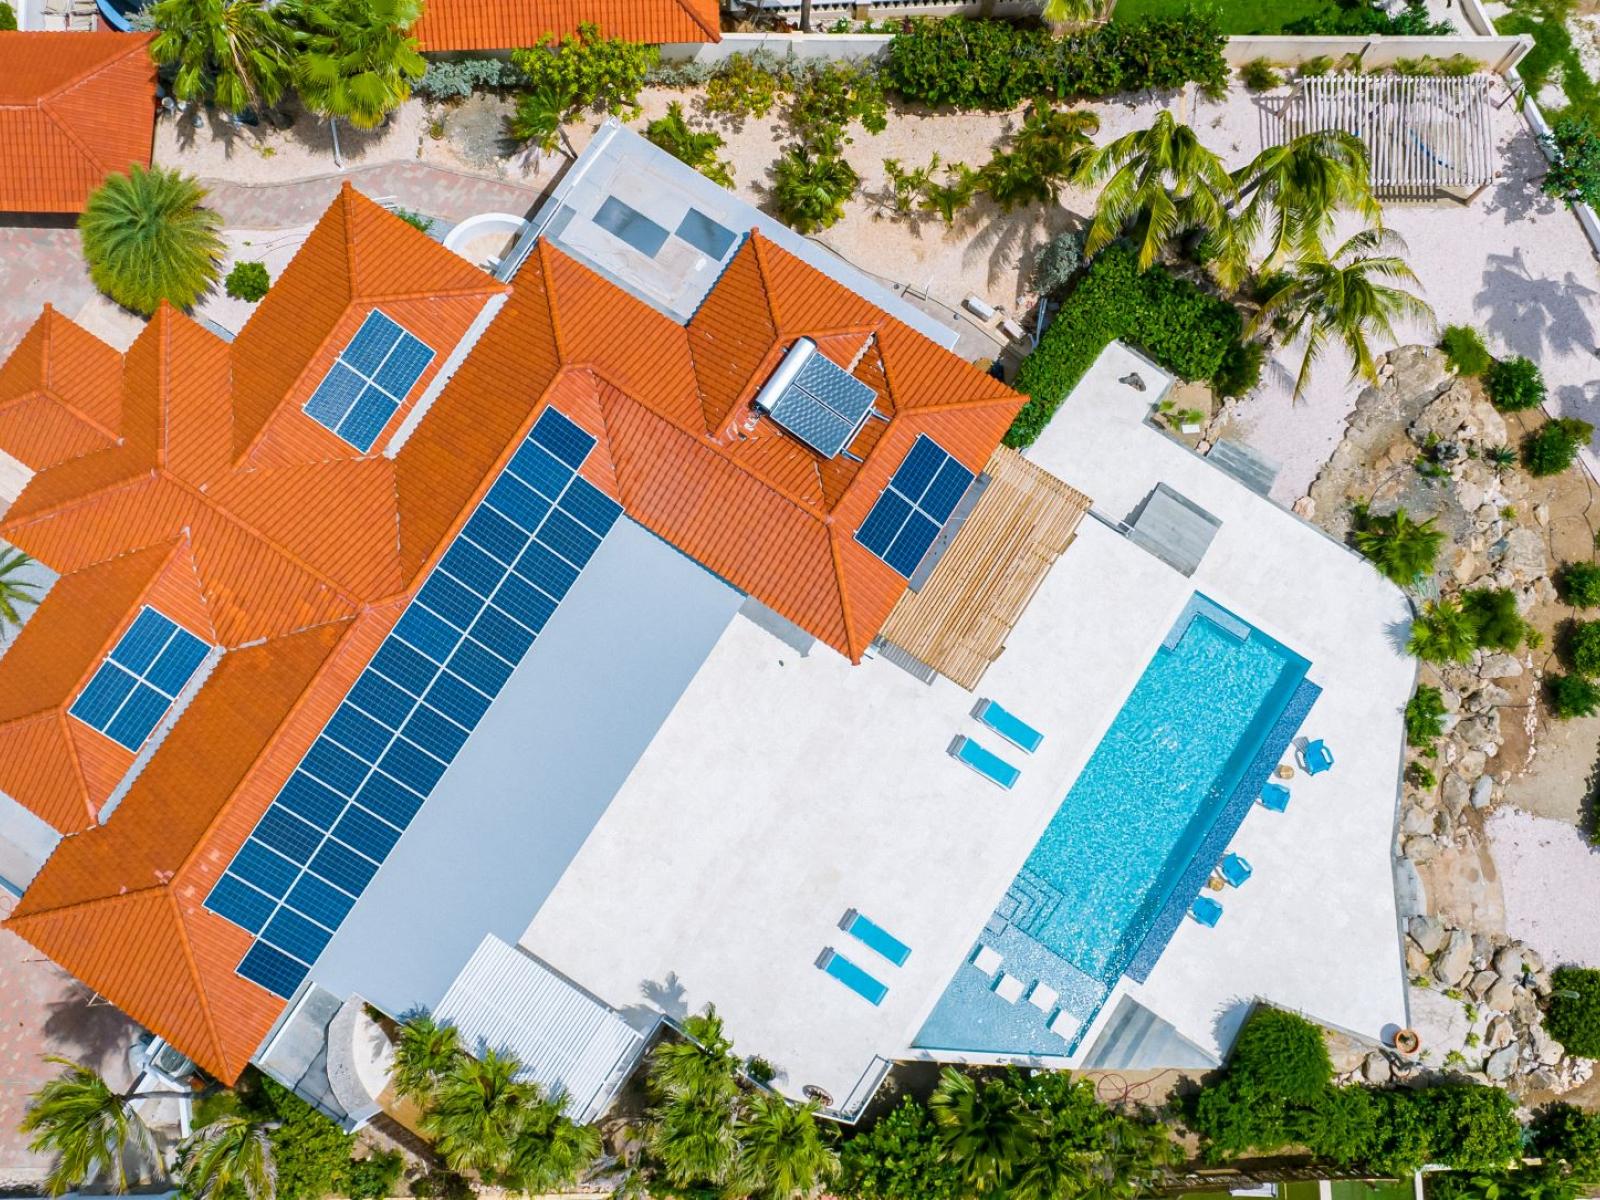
(39, 264)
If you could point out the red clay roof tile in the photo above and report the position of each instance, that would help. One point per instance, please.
(511, 24)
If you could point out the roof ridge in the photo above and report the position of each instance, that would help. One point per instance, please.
(346, 203)
(846, 614)
(195, 974)
(714, 30)
(550, 302)
(51, 315)
(81, 786)
(139, 42)
(73, 905)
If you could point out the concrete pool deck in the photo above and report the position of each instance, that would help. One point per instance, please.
(787, 786)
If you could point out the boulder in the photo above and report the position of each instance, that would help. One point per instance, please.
(1416, 820)
(1375, 1069)
(1481, 731)
(1498, 1034)
(1483, 792)
(1416, 960)
(1472, 763)
(1502, 997)
(1428, 933)
(1501, 1063)
(1421, 849)
(1508, 962)
(1499, 666)
(1545, 1048)
(1521, 555)
(1480, 984)
(1531, 958)
(1455, 793)
(1450, 965)
(1491, 695)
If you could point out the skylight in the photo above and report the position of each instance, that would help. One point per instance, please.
(911, 511)
(141, 677)
(368, 381)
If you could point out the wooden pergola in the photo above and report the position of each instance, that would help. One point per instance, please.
(1426, 135)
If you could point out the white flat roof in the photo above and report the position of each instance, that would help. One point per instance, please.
(786, 788)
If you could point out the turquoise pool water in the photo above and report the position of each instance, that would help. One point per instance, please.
(1181, 760)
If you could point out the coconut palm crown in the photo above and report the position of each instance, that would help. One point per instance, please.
(357, 57)
(147, 238)
(1294, 190)
(89, 1126)
(237, 53)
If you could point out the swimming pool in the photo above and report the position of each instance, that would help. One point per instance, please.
(1133, 840)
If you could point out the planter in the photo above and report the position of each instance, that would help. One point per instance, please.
(1407, 1042)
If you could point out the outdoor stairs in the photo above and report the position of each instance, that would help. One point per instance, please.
(1246, 465)
(1135, 1039)
(1029, 903)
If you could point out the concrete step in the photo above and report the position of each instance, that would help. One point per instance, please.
(1245, 464)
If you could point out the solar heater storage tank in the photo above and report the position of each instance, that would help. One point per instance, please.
(816, 400)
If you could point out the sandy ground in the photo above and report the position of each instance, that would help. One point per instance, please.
(1548, 873)
(272, 247)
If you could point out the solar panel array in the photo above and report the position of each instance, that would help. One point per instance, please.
(912, 510)
(364, 778)
(824, 406)
(368, 380)
(141, 677)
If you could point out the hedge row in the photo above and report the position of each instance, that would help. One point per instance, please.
(1185, 330)
(995, 65)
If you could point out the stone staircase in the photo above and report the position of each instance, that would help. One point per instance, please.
(1246, 465)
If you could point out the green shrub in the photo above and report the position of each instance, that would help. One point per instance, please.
(1443, 632)
(1059, 260)
(1572, 696)
(1572, 1014)
(8, 17)
(1554, 446)
(1400, 548)
(1582, 650)
(1465, 351)
(414, 219)
(811, 182)
(1280, 1053)
(1233, 1117)
(440, 1184)
(1578, 584)
(1185, 330)
(1315, 68)
(696, 148)
(744, 85)
(973, 63)
(1496, 617)
(1363, 19)
(1341, 1126)
(597, 72)
(836, 93)
(311, 1152)
(374, 1177)
(1515, 384)
(1259, 75)
(1421, 775)
(1424, 716)
(1240, 369)
(1474, 1127)
(1574, 175)
(900, 1158)
(247, 281)
(1565, 1134)
(458, 79)
(759, 1069)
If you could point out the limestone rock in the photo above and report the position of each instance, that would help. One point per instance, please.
(1501, 1063)
(1483, 792)
(1450, 965)
(1521, 554)
(1416, 960)
(1545, 1048)
(1502, 996)
(1428, 933)
(1421, 849)
(1531, 958)
(1304, 507)
(1499, 666)
(1417, 820)
(1472, 763)
(1479, 987)
(1508, 962)
(1499, 1033)
(1455, 793)
(1376, 1070)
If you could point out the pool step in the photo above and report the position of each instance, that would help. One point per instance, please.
(1029, 903)
(1135, 1039)
(1247, 465)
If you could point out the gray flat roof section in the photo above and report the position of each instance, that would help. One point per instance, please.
(663, 232)
(544, 763)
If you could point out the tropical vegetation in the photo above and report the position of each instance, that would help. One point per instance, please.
(1424, 717)
(15, 588)
(1498, 624)
(1464, 350)
(1574, 149)
(148, 238)
(90, 1127)
(1292, 192)
(1554, 446)
(536, 120)
(236, 54)
(356, 60)
(1400, 548)
(1577, 583)
(247, 281)
(1515, 384)
(591, 70)
(1572, 1014)
(1572, 696)
(229, 1158)
(1582, 651)
(1443, 632)
(811, 182)
(694, 147)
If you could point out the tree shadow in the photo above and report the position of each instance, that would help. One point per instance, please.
(1522, 164)
(91, 1032)
(1535, 317)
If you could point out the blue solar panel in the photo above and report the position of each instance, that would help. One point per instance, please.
(98, 702)
(379, 698)
(272, 969)
(334, 395)
(184, 653)
(418, 771)
(281, 830)
(404, 366)
(240, 903)
(567, 538)
(492, 532)
(526, 603)
(540, 470)
(362, 831)
(320, 900)
(269, 871)
(473, 567)
(462, 704)
(394, 803)
(402, 665)
(502, 635)
(441, 738)
(294, 934)
(911, 511)
(562, 438)
(425, 632)
(591, 506)
(372, 342)
(137, 648)
(340, 865)
(367, 417)
(542, 566)
(484, 671)
(451, 600)
(138, 716)
(339, 769)
(307, 798)
(516, 500)
(358, 733)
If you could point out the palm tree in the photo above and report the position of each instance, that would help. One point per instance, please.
(88, 1125)
(147, 239)
(701, 1063)
(1400, 548)
(1294, 190)
(1342, 297)
(696, 148)
(782, 1153)
(476, 1111)
(423, 1056)
(692, 1137)
(1161, 181)
(811, 182)
(14, 590)
(536, 122)
(1051, 147)
(230, 1157)
(551, 1152)
(1444, 632)
(235, 52)
(357, 57)
(983, 1131)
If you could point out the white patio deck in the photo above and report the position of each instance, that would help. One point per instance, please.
(784, 789)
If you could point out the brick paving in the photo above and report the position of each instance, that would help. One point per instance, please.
(39, 263)
(44, 1011)
(422, 187)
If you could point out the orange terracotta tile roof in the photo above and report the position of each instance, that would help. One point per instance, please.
(74, 107)
(221, 503)
(514, 24)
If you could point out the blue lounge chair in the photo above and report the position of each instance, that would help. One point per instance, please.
(1316, 757)
(875, 937)
(1206, 910)
(1274, 797)
(1235, 869)
(1008, 725)
(853, 977)
(984, 761)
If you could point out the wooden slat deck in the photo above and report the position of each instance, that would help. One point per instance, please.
(959, 620)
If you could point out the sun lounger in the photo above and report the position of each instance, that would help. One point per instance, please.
(1008, 725)
(1008, 988)
(875, 937)
(1274, 797)
(1042, 996)
(987, 960)
(984, 761)
(853, 977)
(1316, 758)
(1235, 869)
(1206, 910)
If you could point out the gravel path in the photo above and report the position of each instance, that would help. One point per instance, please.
(1548, 875)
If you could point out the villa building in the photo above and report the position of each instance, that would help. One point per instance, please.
(658, 620)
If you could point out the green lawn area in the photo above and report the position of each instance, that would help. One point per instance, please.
(1553, 54)
(1237, 16)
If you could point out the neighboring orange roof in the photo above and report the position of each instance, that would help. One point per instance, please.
(60, 393)
(296, 554)
(515, 24)
(74, 107)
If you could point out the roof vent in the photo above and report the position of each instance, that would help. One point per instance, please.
(816, 400)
